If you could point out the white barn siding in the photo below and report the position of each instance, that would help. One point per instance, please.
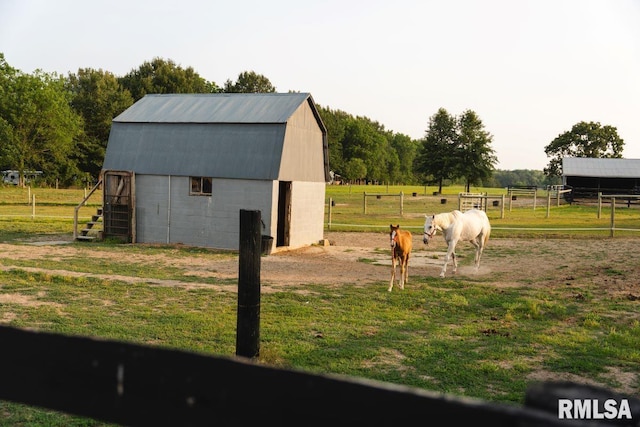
(173, 216)
(232, 196)
(302, 154)
(307, 207)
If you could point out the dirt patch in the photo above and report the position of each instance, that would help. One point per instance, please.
(364, 259)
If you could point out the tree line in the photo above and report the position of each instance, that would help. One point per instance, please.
(60, 125)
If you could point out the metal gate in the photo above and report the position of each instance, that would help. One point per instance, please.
(119, 205)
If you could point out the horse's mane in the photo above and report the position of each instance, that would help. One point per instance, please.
(445, 219)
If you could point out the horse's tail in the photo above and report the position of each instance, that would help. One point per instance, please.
(486, 235)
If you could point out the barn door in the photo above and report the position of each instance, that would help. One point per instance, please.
(118, 205)
(284, 213)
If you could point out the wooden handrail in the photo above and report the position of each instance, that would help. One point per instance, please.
(81, 204)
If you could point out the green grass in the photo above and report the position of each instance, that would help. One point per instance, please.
(450, 336)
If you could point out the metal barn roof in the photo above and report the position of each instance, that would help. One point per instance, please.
(237, 136)
(214, 108)
(603, 168)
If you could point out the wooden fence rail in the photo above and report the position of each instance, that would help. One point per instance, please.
(137, 385)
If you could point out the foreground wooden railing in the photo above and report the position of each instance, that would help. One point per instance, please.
(138, 385)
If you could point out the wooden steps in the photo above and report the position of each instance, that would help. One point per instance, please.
(94, 228)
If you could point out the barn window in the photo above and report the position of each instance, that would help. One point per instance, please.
(201, 186)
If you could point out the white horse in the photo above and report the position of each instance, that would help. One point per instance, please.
(472, 226)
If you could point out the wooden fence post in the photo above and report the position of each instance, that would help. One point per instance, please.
(599, 204)
(548, 204)
(248, 322)
(613, 216)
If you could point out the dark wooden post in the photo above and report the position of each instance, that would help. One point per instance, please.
(248, 324)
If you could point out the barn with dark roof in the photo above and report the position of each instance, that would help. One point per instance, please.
(588, 176)
(179, 168)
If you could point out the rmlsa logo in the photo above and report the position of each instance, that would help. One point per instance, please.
(593, 409)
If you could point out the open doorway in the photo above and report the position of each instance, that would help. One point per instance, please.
(284, 213)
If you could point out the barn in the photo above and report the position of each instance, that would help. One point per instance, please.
(588, 176)
(179, 168)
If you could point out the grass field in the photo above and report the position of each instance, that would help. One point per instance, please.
(462, 336)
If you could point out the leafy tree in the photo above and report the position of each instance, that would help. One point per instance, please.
(37, 123)
(249, 82)
(164, 76)
(98, 97)
(406, 149)
(381, 160)
(355, 169)
(366, 140)
(476, 157)
(393, 172)
(585, 139)
(386, 156)
(436, 159)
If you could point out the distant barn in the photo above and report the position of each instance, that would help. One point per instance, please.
(179, 168)
(588, 176)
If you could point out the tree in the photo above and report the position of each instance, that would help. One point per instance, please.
(585, 139)
(476, 157)
(98, 97)
(249, 82)
(406, 149)
(436, 158)
(165, 76)
(366, 140)
(385, 155)
(355, 169)
(38, 125)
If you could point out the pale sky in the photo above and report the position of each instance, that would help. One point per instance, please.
(530, 69)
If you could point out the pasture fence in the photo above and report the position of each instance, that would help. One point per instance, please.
(409, 208)
(400, 197)
(613, 198)
(136, 385)
(556, 194)
(513, 191)
(51, 203)
(626, 199)
(468, 201)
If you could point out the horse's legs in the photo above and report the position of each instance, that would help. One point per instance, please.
(393, 272)
(404, 270)
(477, 243)
(479, 250)
(450, 254)
(455, 262)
